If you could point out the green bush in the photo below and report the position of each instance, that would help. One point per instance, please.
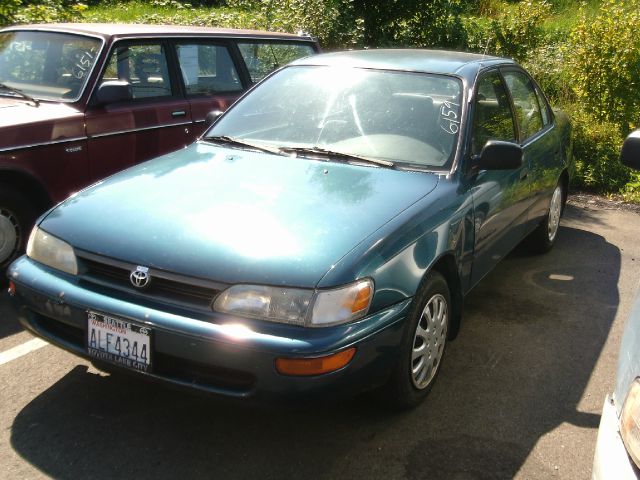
(596, 150)
(605, 62)
(418, 23)
(333, 22)
(42, 11)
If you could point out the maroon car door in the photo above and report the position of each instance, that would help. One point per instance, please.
(210, 78)
(156, 120)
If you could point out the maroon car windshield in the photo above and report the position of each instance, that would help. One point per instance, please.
(46, 65)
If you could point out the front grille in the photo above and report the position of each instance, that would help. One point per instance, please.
(163, 287)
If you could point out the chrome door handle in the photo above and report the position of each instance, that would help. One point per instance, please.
(178, 113)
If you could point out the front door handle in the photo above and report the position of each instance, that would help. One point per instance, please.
(178, 113)
(524, 173)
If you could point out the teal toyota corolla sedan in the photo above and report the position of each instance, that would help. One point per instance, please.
(319, 238)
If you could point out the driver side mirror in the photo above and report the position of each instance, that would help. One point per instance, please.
(630, 154)
(113, 91)
(499, 155)
(212, 117)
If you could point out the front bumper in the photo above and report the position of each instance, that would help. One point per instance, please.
(213, 354)
(611, 460)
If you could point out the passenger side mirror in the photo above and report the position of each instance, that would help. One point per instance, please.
(499, 155)
(212, 117)
(630, 154)
(113, 91)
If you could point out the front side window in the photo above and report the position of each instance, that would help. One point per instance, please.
(45, 65)
(144, 67)
(401, 117)
(264, 57)
(525, 102)
(207, 69)
(492, 117)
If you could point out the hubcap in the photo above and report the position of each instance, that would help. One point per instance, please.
(428, 342)
(554, 213)
(9, 235)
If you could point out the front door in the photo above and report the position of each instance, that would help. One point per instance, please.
(155, 121)
(500, 197)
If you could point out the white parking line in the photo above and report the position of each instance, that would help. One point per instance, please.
(20, 350)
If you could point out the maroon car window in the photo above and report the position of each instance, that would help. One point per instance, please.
(525, 102)
(492, 117)
(144, 67)
(264, 57)
(207, 69)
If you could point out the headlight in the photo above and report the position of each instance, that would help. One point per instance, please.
(49, 250)
(630, 422)
(298, 306)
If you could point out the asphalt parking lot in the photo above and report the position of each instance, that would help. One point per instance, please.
(519, 395)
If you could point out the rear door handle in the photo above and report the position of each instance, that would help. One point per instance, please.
(178, 113)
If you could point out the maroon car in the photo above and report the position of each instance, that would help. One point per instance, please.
(79, 102)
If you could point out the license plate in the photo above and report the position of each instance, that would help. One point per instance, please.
(118, 341)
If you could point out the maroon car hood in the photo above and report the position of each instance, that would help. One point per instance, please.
(23, 124)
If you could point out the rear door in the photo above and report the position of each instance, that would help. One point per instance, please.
(210, 78)
(155, 121)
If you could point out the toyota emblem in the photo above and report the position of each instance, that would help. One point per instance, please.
(140, 277)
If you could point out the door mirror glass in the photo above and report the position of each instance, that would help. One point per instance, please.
(212, 117)
(499, 155)
(630, 155)
(113, 91)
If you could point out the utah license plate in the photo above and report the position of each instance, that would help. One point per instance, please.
(118, 341)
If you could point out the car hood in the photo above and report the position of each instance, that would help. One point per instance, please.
(236, 216)
(46, 123)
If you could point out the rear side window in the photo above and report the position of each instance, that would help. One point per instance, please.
(207, 69)
(144, 67)
(525, 101)
(264, 57)
(492, 118)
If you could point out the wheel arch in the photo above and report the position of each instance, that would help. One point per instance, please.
(31, 187)
(446, 265)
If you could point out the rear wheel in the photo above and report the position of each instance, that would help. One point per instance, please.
(424, 343)
(542, 239)
(17, 215)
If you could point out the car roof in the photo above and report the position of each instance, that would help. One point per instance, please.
(414, 60)
(107, 30)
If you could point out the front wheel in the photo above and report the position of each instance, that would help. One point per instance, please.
(424, 343)
(16, 219)
(542, 239)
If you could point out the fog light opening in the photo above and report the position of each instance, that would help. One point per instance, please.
(304, 367)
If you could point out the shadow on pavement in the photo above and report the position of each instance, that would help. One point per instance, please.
(9, 323)
(532, 333)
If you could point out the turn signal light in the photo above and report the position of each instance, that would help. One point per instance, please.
(12, 288)
(304, 367)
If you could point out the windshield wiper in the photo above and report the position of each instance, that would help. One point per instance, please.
(337, 155)
(20, 93)
(238, 142)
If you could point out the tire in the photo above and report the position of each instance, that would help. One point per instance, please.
(423, 344)
(17, 215)
(542, 239)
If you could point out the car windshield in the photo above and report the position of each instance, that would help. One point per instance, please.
(405, 119)
(45, 65)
